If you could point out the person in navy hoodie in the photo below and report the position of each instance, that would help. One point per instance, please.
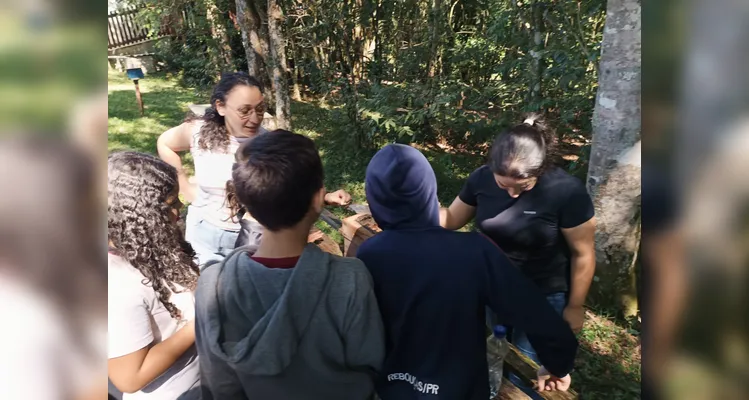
(434, 285)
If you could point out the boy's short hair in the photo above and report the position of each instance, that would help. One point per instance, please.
(277, 176)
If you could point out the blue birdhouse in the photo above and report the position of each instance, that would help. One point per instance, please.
(134, 73)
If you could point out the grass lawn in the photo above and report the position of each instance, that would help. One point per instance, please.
(608, 364)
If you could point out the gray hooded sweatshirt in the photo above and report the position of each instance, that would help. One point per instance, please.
(309, 332)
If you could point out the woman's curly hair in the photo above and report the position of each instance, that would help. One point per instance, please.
(232, 201)
(213, 133)
(140, 225)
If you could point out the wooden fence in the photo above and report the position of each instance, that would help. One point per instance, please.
(123, 29)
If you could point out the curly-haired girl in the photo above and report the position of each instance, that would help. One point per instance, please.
(152, 277)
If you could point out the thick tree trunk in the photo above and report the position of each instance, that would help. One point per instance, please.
(615, 164)
(278, 65)
(255, 40)
(218, 31)
(248, 27)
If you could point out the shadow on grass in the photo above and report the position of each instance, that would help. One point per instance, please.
(599, 376)
(168, 106)
(608, 362)
(165, 107)
(345, 163)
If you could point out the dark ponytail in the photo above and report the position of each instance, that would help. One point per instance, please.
(213, 134)
(524, 151)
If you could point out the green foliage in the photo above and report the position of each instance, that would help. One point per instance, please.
(457, 80)
(191, 50)
(483, 54)
(177, 54)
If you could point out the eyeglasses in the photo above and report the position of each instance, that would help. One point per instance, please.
(245, 112)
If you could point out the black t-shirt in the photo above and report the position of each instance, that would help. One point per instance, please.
(528, 228)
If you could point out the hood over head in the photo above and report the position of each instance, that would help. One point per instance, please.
(402, 189)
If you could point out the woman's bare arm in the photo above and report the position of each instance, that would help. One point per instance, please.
(169, 145)
(457, 215)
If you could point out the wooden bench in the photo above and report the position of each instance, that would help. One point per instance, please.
(360, 227)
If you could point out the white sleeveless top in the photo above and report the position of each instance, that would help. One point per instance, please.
(212, 171)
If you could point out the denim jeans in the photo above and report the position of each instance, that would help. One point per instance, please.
(558, 301)
(210, 242)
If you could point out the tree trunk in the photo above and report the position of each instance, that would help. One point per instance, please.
(248, 26)
(615, 164)
(435, 18)
(537, 66)
(278, 65)
(296, 73)
(257, 40)
(218, 31)
(377, 53)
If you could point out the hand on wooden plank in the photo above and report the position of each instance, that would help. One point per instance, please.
(547, 381)
(519, 364)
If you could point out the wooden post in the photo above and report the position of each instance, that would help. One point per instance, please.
(138, 96)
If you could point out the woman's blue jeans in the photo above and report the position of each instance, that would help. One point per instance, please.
(518, 338)
(210, 242)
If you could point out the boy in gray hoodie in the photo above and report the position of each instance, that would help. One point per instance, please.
(284, 320)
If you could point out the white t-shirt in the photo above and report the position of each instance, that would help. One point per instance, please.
(137, 318)
(212, 170)
(39, 358)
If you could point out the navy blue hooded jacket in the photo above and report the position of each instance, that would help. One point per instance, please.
(433, 286)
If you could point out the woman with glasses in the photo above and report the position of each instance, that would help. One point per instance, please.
(234, 116)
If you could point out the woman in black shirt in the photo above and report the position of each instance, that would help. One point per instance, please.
(538, 214)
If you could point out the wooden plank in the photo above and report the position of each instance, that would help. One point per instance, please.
(355, 231)
(324, 242)
(121, 28)
(126, 39)
(525, 368)
(331, 219)
(128, 31)
(131, 25)
(115, 31)
(508, 391)
(110, 35)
